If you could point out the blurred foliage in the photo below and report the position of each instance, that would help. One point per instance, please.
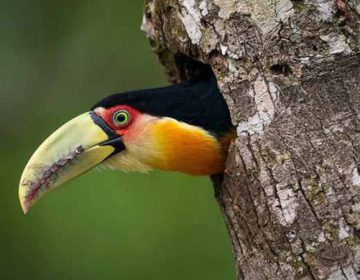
(57, 59)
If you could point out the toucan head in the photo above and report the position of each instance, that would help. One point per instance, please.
(184, 127)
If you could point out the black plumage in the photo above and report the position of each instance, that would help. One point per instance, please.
(196, 102)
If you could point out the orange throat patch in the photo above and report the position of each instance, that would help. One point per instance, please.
(188, 148)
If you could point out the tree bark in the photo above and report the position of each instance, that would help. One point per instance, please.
(290, 73)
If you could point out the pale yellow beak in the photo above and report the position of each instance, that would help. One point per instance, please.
(73, 149)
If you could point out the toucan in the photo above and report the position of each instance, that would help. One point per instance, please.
(184, 127)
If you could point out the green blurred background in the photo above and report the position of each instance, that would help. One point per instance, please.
(57, 58)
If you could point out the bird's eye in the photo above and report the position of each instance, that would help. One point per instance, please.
(121, 118)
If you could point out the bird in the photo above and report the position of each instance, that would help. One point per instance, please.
(184, 127)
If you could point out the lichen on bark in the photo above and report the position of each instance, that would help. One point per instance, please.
(290, 73)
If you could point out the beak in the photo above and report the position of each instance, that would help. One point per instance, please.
(70, 151)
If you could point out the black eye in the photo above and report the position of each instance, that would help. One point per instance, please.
(121, 117)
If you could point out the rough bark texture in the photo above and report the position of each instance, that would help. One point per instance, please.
(290, 73)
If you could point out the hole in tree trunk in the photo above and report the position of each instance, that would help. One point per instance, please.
(281, 69)
(189, 68)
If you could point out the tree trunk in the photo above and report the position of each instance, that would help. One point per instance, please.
(290, 73)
